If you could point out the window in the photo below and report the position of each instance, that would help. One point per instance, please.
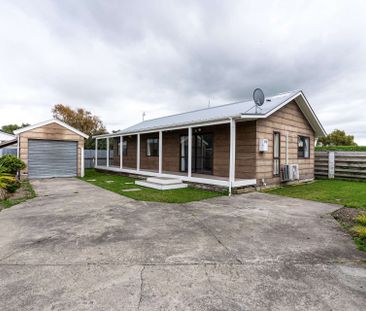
(152, 147)
(276, 153)
(303, 147)
(124, 151)
(124, 146)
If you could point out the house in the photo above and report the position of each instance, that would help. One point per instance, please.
(233, 145)
(51, 148)
(7, 143)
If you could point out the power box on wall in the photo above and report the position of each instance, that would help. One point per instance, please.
(263, 145)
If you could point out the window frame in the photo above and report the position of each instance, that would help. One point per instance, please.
(153, 152)
(278, 158)
(301, 155)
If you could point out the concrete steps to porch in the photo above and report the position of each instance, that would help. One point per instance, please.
(162, 183)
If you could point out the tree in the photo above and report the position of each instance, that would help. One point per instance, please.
(10, 128)
(337, 138)
(82, 120)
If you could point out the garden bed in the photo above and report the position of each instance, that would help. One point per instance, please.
(23, 193)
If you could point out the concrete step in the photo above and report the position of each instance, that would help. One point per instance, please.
(159, 186)
(164, 180)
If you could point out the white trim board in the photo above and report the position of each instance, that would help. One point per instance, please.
(43, 123)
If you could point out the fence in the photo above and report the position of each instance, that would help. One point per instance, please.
(340, 165)
(89, 157)
(5, 151)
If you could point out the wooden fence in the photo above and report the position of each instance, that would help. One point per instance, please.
(340, 165)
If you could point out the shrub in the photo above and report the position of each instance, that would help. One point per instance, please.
(360, 231)
(340, 148)
(8, 182)
(361, 219)
(10, 164)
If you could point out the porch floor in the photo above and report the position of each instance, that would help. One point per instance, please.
(197, 178)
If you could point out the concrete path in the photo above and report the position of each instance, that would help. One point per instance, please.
(79, 247)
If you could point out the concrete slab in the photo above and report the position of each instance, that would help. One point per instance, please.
(79, 247)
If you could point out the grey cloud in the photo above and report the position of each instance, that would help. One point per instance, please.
(119, 58)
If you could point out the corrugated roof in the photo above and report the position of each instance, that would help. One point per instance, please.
(213, 113)
(238, 110)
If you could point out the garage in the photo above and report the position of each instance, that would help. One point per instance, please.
(51, 149)
(52, 158)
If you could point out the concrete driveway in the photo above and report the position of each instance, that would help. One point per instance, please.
(79, 247)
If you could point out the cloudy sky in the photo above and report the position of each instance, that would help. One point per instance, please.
(120, 58)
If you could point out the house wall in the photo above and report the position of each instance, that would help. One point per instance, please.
(246, 147)
(52, 131)
(129, 160)
(171, 150)
(152, 162)
(291, 120)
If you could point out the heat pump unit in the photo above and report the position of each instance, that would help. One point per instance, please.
(290, 172)
(293, 172)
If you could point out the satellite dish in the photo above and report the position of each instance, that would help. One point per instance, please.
(258, 97)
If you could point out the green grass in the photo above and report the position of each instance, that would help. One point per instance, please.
(145, 194)
(28, 194)
(361, 244)
(347, 193)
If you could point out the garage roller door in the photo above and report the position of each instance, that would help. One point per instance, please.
(51, 158)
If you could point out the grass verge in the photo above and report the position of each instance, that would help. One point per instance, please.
(24, 193)
(119, 184)
(347, 193)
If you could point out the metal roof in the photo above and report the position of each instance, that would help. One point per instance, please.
(8, 143)
(6, 136)
(243, 109)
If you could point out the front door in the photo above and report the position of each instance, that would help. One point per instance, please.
(202, 153)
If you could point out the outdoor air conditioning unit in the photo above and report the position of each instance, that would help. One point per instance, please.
(290, 172)
(294, 172)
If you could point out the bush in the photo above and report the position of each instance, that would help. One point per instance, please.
(360, 231)
(361, 219)
(340, 148)
(10, 164)
(8, 182)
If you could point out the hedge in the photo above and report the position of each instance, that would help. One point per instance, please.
(341, 148)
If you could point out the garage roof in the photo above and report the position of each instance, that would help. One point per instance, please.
(31, 127)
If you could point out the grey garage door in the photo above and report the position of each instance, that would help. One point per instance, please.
(51, 158)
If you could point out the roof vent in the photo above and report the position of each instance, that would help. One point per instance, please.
(268, 99)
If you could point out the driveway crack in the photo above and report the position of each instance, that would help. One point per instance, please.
(207, 229)
(141, 286)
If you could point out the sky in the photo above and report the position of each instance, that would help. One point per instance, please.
(119, 59)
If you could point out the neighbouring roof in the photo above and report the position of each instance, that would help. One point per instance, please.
(8, 143)
(239, 110)
(5, 136)
(31, 127)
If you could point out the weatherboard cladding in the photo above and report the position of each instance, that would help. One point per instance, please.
(213, 113)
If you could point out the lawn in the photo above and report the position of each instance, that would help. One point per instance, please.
(117, 184)
(24, 193)
(347, 193)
